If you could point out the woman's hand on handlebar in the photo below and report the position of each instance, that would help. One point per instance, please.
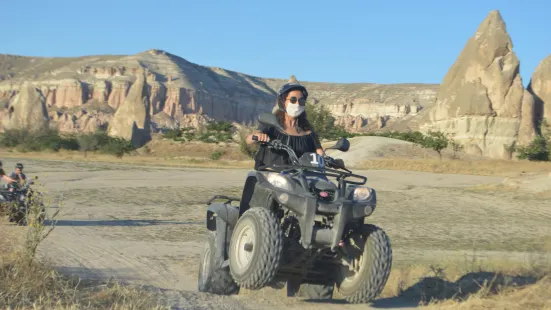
(260, 137)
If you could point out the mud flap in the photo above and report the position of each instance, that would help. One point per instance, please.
(223, 223)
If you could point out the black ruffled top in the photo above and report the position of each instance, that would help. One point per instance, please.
(300, 144)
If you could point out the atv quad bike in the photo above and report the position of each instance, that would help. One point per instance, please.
(293, 225)
(19, 200)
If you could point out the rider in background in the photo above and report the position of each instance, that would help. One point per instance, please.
(3, 175)
(18, 174)
(298, 134)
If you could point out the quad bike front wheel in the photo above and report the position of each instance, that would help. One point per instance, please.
(365, 270)
(213, 279)
(255, 248)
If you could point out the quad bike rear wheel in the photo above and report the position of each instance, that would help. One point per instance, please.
(255, 248)
(367, 267)
(213, 279)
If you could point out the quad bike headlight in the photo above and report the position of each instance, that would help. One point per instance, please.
(279, 181)
(362, 193)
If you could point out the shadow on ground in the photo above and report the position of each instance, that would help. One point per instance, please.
(438, 289)
(117, 223)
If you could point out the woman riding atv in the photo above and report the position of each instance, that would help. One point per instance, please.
(299, 134)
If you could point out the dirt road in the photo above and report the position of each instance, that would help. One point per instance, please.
(145, 225)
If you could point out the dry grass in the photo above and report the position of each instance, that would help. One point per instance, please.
(536, 296)
(149, 160)
(475, 167)
(474, 284)
(27, 283)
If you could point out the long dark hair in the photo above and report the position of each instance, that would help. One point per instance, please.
(302, 120)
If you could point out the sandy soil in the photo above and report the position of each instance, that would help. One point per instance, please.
(145, 225)
(373, 147)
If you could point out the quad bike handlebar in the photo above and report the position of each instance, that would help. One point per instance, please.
(331, 162)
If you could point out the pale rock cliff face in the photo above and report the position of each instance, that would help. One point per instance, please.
(371, 102)
(132, 120)
(480, 101)
(27, 111)
(179, 92)
(540, 88)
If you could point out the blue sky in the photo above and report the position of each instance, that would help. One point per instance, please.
(356, 41)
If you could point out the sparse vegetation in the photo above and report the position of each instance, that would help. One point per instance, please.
(456, 148)
(462, 284)
(540, 148)
(27, 283)
(216, 155)
(213, 132)
(25, 141)
(51, 140)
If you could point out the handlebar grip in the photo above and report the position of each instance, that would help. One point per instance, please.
(255, 138)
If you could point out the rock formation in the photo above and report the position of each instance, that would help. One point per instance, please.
(178, 89)
(132, 120)
(540, 88)
(480, 101)
(27, 110)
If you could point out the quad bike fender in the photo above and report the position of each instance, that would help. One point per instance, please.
(223, 223)
(226, 212)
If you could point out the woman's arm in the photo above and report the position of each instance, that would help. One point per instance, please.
(8, 179)
(317, 143)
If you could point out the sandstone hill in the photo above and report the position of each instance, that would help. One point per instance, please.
(540, 88)
(482, 101)
(84, 93)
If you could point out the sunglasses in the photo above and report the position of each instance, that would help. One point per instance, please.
(301, 101)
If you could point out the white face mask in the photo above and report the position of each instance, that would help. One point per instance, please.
(294, 110)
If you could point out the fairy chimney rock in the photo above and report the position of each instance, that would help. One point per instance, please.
(132, 120)
(480, 100)
(540, 88)
(27, 110)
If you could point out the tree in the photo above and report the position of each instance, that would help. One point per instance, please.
(435, 140)
(323, 122)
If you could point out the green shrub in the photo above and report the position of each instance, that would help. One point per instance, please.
(173, 134)
(220, 126)
(25, 141)
(117, 146)
(213, 132)
(538, 150)
(216, 155)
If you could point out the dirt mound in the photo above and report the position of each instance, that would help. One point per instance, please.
(365, 148)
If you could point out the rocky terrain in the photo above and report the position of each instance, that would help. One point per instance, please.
(145, 225)
(481, 102)
(540, 88)
(83, 94)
